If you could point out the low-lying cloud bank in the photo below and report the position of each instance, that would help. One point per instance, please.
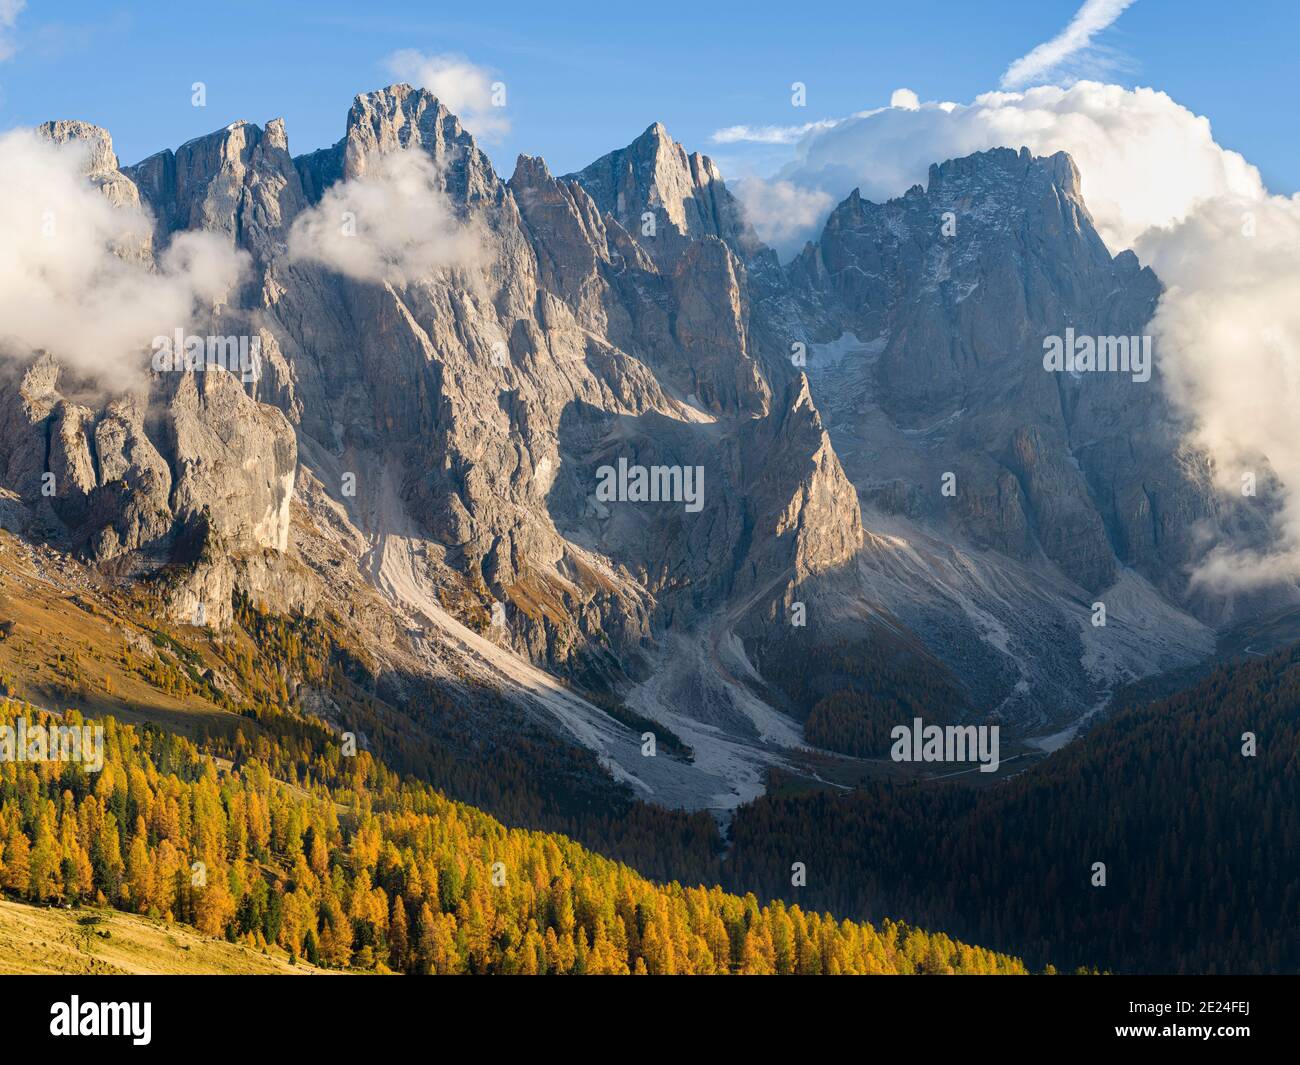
(1154, 180)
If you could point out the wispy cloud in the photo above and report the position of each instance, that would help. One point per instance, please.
(392, 224)
(9, 12)
(1034, 67)
(769, 134)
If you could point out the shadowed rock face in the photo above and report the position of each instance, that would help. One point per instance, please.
(945, 296)
(441, 437)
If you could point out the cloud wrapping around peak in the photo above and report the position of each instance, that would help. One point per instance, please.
(1144, 160)
(463, 87)
(1040, 63)
(1155, 180)
(72, 279)
(393, 224)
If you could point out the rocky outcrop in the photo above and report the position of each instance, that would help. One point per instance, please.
(235, 461)
(239, 181)
(804, 512)
(188, 460)
(101, 165)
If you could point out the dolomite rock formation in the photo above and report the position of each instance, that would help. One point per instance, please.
(420, 451)
(945, 296)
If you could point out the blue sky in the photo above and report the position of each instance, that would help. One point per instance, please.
(584, 78)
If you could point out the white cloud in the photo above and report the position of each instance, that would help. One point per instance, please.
(1229, 334)
(469, 91)
(905, 98)
(1144, 160)
(743, 134)
(393, 223)
(783, 214)
(64, 287)
(9, 12)
(1040, 63)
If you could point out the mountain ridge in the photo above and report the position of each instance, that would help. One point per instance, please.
(627, 311)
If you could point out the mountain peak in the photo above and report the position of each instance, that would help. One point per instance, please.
(654, 178)
(397, 104)
(102, 159)
(530, 168)
(397, 91)
(399, 98)
(1006, 169)
(656, 132)
(400, 117)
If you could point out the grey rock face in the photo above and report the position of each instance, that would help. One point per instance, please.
(239, 181)
(653, 186)
(438, 439)
(101, 161)
(26, 403)
(804, 515)
(950, 292)
(134, 473)
(235, 460)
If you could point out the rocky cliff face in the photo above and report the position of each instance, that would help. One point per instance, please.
(147, 478)
(455, 449)
(239, 181)
(101, 164)
(1001, 501)
(933, 310)
(654, 189)
(488, 398)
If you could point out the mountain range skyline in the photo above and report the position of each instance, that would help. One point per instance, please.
(941, 53)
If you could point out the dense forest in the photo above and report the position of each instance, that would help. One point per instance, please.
(1200, 842)
(1200, 839)
(469, 741)
(850, 694)
(349, 865)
